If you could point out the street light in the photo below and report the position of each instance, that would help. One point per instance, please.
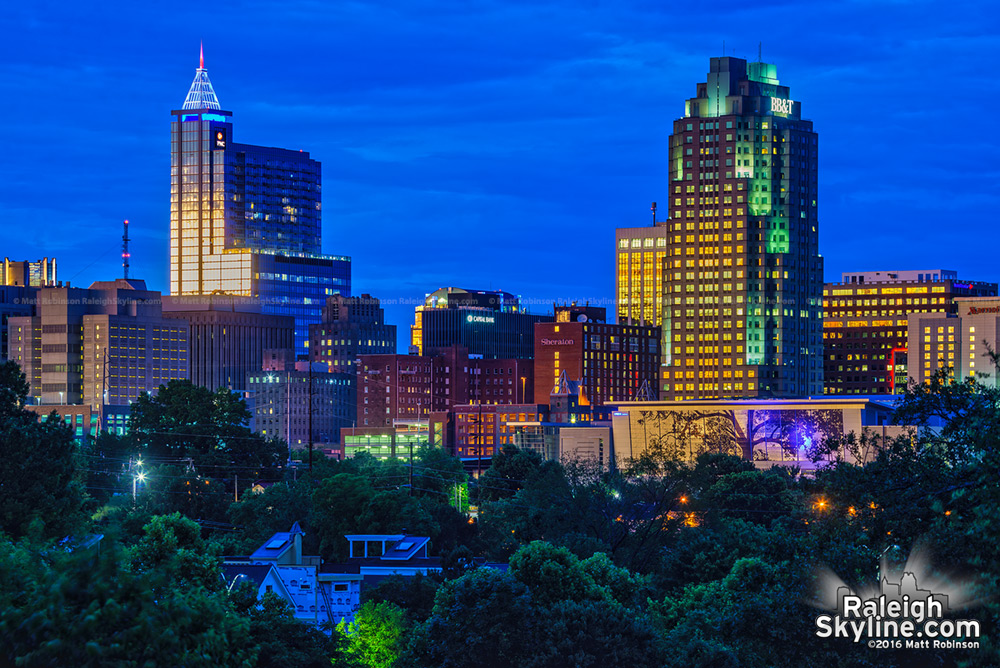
(140, 477)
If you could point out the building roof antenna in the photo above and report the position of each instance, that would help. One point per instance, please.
(125, 253)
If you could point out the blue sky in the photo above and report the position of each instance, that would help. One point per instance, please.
(494, 144)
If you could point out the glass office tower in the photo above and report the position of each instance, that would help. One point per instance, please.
(246, 219)
(743, 281)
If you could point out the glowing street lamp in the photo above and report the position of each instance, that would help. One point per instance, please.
(140, 477)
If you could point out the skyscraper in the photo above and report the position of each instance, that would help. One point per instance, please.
(244, 219)
(743, 282)
(639, 258)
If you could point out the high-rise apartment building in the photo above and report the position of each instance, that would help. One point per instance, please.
(244, 219)
(743, 282)
(640, 254)
(865, 323)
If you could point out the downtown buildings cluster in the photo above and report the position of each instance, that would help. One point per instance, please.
(720, 306)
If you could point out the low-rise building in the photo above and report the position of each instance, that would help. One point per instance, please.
(316, 595)
(959, 343)
(865, 324)
(791, 432)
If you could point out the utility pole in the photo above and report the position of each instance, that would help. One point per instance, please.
(310, 417)
(479, 450)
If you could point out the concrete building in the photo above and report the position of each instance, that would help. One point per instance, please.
(301, 403)
(15, 301)
(227, 337)
(102, 345)
(865, 325)
(38, 274)
(771, 431)
(349, 327)
(744, 280)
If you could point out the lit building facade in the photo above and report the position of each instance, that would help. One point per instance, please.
(102, 345)
(959, 342)
(350, 326)
(611, 362)
(244, 219)
(227, 337)
(865, 326)
(490, 323)
(640, 253)
(32, 274)
(743, 281)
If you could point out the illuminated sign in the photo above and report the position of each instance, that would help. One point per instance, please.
(977, 311)
(488, 319)
(558, 342)
(780, 106)
(220, 138)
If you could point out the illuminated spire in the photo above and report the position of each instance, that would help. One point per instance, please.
(201, 55)
(201, 95)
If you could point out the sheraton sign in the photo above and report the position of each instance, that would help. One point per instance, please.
(558, 342)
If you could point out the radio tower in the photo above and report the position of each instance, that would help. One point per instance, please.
(125, 253)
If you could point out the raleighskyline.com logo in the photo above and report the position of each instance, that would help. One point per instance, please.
(897, 615)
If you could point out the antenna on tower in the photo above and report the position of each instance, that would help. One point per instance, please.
(125, 253)
(760, 49)
(653, 208)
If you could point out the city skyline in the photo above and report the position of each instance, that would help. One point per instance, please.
(553, 132)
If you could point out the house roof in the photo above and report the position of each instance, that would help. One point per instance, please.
(253, 572)
(276, 545)
(406, 548)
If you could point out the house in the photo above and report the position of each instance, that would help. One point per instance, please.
(278, 566)
(375, 557)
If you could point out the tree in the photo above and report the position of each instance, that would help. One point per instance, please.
(375, 637)
(482, 619)
(172, 545)
(412, 594)
(186, 421)
(40, 478)
(337, 502)
(509, 470)
(282, 640)
(78, 611)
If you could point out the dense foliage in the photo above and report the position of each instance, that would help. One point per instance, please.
(564, 564)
